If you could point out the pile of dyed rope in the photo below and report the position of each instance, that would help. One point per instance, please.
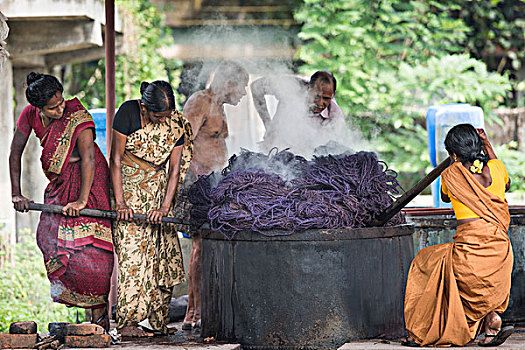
(287, 193)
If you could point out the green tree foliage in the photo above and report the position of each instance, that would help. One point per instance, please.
(497, 33)
(497, 29)
(359, 39)
(145, 34)
(515, 163)
(408, 92)
(393, 59)
(24, 291)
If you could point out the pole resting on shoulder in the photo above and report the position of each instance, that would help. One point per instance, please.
(402, 201)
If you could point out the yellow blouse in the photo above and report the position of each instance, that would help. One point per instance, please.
(500, 178)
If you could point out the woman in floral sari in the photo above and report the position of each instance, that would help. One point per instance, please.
(78, 251)
(148, 134)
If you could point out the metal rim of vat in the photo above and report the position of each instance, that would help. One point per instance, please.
(444, 217)
(514, 210)
(317, 234)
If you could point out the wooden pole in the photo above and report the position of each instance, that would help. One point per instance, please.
(402, 201)
(97, 213)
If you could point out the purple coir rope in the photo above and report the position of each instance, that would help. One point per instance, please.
(280, 193)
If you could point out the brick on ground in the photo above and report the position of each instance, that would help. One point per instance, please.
(84, 329)
(26, 327)
(17, 341)
(87, 341)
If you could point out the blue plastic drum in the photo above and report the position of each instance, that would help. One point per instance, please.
(99, 116)
(440, 119)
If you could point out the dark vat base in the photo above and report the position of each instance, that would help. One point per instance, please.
(311, 290)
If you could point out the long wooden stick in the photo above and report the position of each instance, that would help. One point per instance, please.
(402, 201)
(97, 213)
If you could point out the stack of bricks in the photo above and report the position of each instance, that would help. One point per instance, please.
(86, 335)
(22, 335)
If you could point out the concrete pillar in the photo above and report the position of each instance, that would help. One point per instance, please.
(33, 180)
(7, 213)
(4, 32)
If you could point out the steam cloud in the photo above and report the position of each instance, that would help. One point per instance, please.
(297, 131)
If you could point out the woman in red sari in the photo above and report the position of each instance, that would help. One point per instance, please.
(78, 251)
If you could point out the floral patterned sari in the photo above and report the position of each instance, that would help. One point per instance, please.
(149, 255)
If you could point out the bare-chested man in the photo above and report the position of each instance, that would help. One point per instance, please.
(205, 111)
(307, 114)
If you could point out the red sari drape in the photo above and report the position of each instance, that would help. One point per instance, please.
(78, 251)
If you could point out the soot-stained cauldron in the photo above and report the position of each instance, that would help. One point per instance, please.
(311, 289)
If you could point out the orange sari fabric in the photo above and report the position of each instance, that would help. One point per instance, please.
(451, 287)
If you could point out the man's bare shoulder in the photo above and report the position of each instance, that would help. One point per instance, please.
(197, 108)
(198, 99)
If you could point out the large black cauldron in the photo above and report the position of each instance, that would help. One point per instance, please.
(312, 289)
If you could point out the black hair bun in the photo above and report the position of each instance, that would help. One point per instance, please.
(32, 77)
(473, 156)
(478, 156)
(484, 158)
(143, 86)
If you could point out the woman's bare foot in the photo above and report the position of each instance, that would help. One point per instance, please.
(491, 326)
(134, 332)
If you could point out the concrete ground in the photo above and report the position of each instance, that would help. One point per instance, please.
(516, 341)
(180, 340)
(168, 345)
(190, 340)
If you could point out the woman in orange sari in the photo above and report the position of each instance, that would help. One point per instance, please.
(78, 251)
(456, 290)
